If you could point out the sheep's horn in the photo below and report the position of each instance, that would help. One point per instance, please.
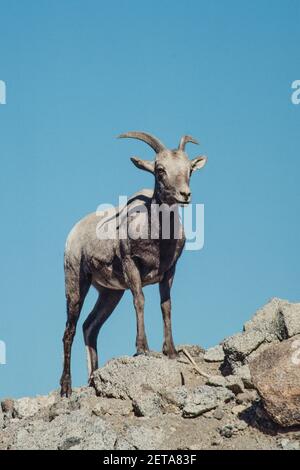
(156, 144)
(184, 140)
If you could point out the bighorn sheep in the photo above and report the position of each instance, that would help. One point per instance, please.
(120, 263)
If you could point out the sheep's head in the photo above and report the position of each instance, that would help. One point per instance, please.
(172, 168)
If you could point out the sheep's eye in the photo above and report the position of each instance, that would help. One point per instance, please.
(160, 171)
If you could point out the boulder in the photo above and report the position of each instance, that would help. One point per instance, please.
(174, 397)
(276, 376)
(241, 345)
(274, 322)
(232, 382)
(216, 381)
(278, 319)
(214, 354)
(268, 320)
(29, 406)
(243, 372)
(203, 399)
(131, 377)
(110, 406)
(149, 404)
(291, 318)
(248, 396)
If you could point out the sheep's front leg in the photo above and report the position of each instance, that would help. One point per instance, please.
(133, 278)
(165, 302)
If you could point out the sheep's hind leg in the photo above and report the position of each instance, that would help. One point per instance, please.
(165, 301)
(107, 301)
(76, 290)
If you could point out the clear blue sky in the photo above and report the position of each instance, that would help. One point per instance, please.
(80, 72)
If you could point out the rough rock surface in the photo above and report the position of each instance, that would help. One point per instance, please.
(203, 399)
(277, 319)
(151, 374)
(214, 354)
(274, 322)
(151, 402)
(276, 375)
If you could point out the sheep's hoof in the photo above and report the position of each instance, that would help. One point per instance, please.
(173, 355)
(170, 352)
(91, 382)
(66, 389)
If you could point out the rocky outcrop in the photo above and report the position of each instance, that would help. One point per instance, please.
(201, 400)
(276, 321)
(276, 376)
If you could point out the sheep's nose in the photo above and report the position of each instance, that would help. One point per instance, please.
(186, 195)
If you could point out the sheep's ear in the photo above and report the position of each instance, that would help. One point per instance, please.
(146, 165)
(198, 163)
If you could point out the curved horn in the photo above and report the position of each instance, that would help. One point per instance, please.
(156, 144)
(184, 140)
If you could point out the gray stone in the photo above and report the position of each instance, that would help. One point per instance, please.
(203, 399)
(129, 377)
(29, 406)
(267, 320)
(140, 438)
(109, 406)
(217, 381)
(243, 372)
(218, 414)
(239, 346)
(214, 354)
(237, 409)
(228, 430)
(86, 399)
(149, 404)
(248, 396)
(79, 429)
(291, 317)
(232, 382)
(277, 319)
(175, 396)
